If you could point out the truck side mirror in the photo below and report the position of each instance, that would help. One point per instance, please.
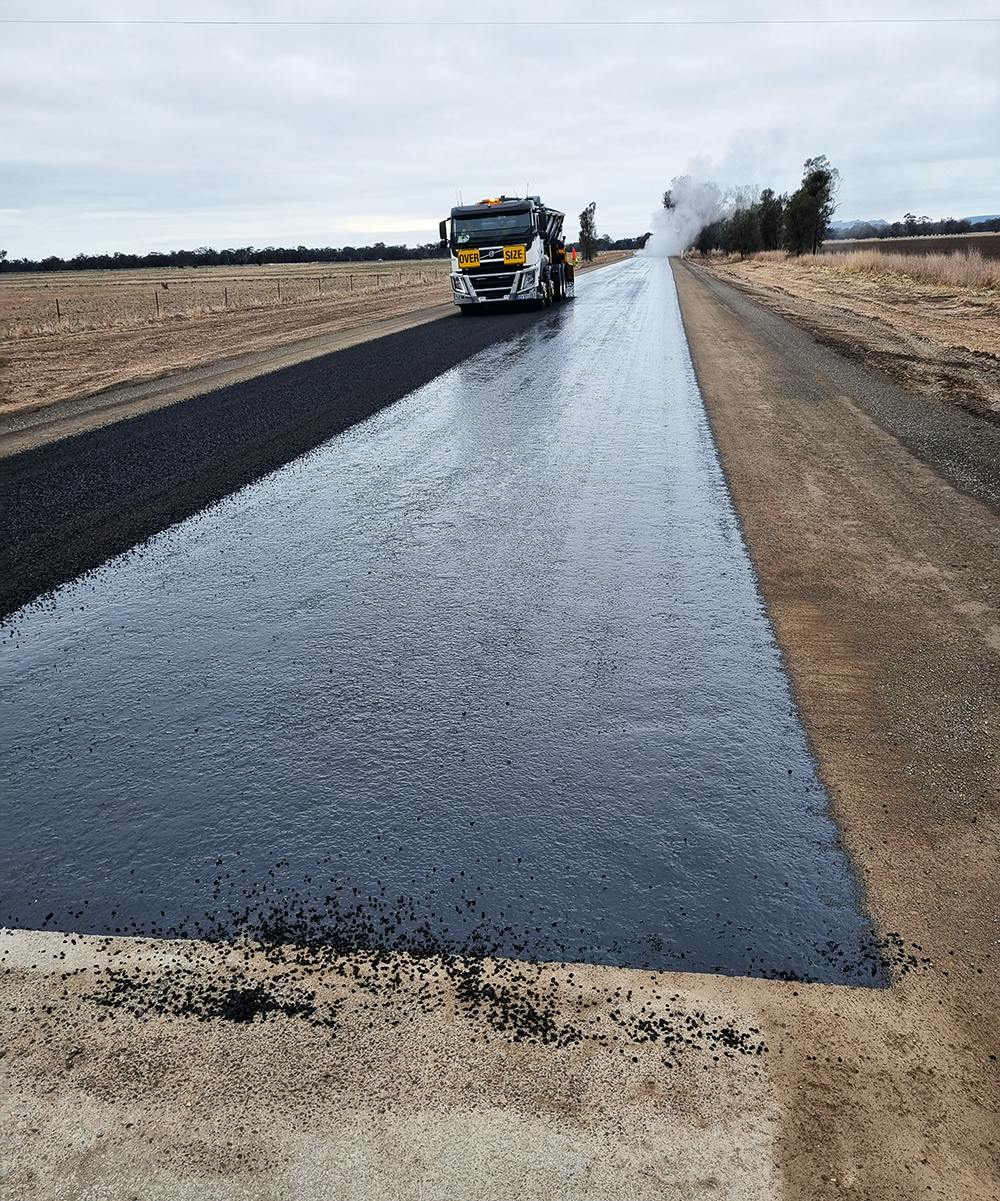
(443, 231)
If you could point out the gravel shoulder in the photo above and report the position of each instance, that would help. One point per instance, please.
(937, 341)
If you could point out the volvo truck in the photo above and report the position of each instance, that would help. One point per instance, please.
(507, 250)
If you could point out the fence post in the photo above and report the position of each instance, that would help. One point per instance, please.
(225, 292)
(156, 301)
(279, 291)
(350, 283)
(58, 313)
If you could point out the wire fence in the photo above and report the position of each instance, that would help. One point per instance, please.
(30, 309)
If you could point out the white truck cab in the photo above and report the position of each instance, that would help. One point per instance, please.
(507, 250)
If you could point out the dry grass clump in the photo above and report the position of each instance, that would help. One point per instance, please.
(960, 269)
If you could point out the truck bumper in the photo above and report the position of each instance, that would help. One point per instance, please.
(499, 287)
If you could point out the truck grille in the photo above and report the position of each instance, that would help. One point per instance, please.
(489, 283)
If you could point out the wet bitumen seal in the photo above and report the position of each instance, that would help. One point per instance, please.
(490, 676)
(329, 917)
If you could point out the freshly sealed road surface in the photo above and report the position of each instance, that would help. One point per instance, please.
(488, 671)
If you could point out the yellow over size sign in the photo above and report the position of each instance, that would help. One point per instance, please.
(513, 255)
(468, 258)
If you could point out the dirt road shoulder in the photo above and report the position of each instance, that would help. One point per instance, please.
(934, 340)
(882, 581)
(962, 445)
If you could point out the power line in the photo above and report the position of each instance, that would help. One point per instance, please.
(466, 23)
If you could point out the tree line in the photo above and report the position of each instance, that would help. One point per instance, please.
(913, 226)
(246, 256)
(242, 256)
(604, 242)
(798, 223)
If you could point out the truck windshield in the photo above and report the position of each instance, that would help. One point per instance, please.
(503, 227)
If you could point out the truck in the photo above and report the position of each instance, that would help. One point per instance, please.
(507, 250)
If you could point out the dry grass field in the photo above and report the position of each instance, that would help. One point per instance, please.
(932, 321)
(68, 302)
(955, 269)
(987, 244)
(959, 269)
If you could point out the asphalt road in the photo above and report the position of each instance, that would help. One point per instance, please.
(488, 671)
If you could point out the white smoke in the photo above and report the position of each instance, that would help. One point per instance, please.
(695, 203)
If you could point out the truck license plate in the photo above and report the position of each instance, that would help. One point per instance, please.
(468, 258)
(513, 255)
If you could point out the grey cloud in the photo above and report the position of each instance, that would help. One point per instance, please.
(128, 137)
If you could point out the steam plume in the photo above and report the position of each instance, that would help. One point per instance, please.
(696, 203)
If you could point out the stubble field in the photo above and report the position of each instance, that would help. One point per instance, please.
(66, 302)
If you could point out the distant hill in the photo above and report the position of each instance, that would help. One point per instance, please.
(859, 221)
(878, 222)
(847, 231)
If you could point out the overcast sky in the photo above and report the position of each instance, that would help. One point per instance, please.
(138, 138)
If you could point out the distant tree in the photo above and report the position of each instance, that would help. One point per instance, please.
(810, 208)
(771, 211)
(606, 242)
(3, 255)
(588, 232)
(707, 239)
(744, 230)
(795, 227)
(668, 199)
(206, 256)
